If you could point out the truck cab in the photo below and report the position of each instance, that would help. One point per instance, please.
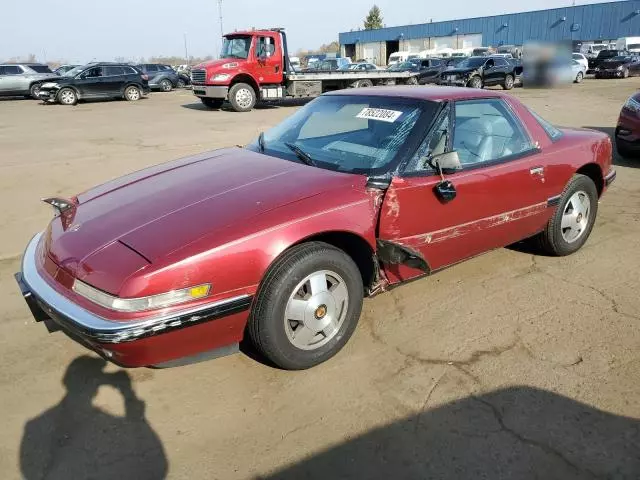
(250, 66)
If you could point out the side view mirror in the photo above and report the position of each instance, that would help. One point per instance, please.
(445, 190)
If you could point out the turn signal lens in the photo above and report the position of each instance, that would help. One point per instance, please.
(140, 304)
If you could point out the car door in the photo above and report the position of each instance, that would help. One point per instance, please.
(489, 72)
(269, 59)
(112, 80)
(152, 72)
(501, 193)
(12, 80)
(89, 83)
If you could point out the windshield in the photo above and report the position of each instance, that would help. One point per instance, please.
(40, 68)
(349, 133)
(473, 62)
(236, 47)
(633, 46)
(74, 71)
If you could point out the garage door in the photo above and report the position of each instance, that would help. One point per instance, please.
(470, 41)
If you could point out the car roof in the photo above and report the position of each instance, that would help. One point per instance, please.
(434, 94)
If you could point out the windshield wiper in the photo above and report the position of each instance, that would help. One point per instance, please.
(301, 154)
(261, 141)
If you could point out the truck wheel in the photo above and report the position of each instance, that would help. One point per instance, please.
(165, 85)
(35, 89)
(412, 81)
(242, 97)
(365, 83)
(307, 306)
(475, 82)
(571, 224)
(508, 82)
(212, 102)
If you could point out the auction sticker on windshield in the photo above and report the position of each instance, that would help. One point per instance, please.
(379, 114)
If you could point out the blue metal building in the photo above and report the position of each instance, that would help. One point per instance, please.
(601, 21)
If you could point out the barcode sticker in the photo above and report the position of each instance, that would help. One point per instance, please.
(379, 114)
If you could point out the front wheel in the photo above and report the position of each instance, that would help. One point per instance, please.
(212, 102)
(181, 83)
(571, 224)
(307, 306)
(34, 90)
(475, 82)
(508, 82)
(242, 97)
(579, 77)
(132, 93)
(67, 96)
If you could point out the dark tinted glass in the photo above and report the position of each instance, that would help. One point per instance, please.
(40, 68)
(12, 70)
(152, 68)
(112, 70)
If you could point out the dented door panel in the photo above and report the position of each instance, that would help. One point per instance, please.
(495, 206)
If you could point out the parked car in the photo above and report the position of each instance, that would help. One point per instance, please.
(279, 242)
(578, 71)
(23, 79)
(62, 69)
(96, 81)
(427, 69)
(628, 129)
(602, 56)
(580, 58)
(161, 77)
(621, 66)
(358, 67)
(328, 65)
(479, 72)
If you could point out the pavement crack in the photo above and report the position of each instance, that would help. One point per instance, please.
(427, 398)
(534, 443)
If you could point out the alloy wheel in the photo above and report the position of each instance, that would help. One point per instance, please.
(575, 217)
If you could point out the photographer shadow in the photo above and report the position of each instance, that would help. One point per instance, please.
(75, 439)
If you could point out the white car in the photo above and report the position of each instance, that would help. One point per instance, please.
(581, 59)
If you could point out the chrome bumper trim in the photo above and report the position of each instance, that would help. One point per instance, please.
(611, 176)
(89, 325)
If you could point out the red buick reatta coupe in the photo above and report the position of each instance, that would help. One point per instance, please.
(279, 242)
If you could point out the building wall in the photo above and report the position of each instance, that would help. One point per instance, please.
(583, 22)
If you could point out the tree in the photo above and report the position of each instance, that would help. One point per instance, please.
(374, 19)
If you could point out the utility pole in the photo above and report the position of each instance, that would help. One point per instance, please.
(220, 13)
(186, 53)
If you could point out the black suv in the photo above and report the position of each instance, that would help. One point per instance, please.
(161, 77)
(96, 80)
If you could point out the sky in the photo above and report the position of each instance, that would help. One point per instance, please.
(78, 31)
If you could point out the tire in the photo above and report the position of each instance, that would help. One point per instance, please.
(242, 97)
(508, 82)
(181, 83)
(67, 96)
(580, 193)
(579, 77)
(287, 284)
(165, 85)
(365, 83)
(132, 93)
(412, 81)
(34, 89)
(625, 73)
(475, 82)
(212, 102)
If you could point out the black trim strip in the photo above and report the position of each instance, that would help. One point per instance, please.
(554, 201)
(611, 176)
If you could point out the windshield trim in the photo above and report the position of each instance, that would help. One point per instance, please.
(404, 153)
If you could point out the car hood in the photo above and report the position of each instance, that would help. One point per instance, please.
(60, 80)
(157, 211)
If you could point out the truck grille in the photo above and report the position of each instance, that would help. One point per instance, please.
(198, 76)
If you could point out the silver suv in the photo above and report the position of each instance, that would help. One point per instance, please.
(23, 78)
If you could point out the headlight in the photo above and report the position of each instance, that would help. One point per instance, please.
(219, 77)
(140, 304)
(620, 67)
(632, 104)
(597, 69)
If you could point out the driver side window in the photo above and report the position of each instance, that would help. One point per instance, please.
(93, 72)
(435, 143)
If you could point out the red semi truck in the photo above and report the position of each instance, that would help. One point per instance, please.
(254, 66)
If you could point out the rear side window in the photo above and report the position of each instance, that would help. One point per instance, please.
(12, 70)
(553, 132)
(111, 70)
(151, 68)
(40, 68)
(130, 71)
(501, 62)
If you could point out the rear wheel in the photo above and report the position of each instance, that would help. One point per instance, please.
(412, 81)
(212, 102)
(307, 307)
(35, 89)
(165, 85)
(365, 83)
(571, 224)
(67, 96)
(181, 83)
(132, 93)
(508, 82)
(242, 97)
(475, 82)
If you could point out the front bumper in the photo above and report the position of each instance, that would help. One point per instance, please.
(453, 80)
(151, 341)
(609, 73)
(206, 91)
(48, 95)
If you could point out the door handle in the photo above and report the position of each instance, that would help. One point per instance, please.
(537, 171)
